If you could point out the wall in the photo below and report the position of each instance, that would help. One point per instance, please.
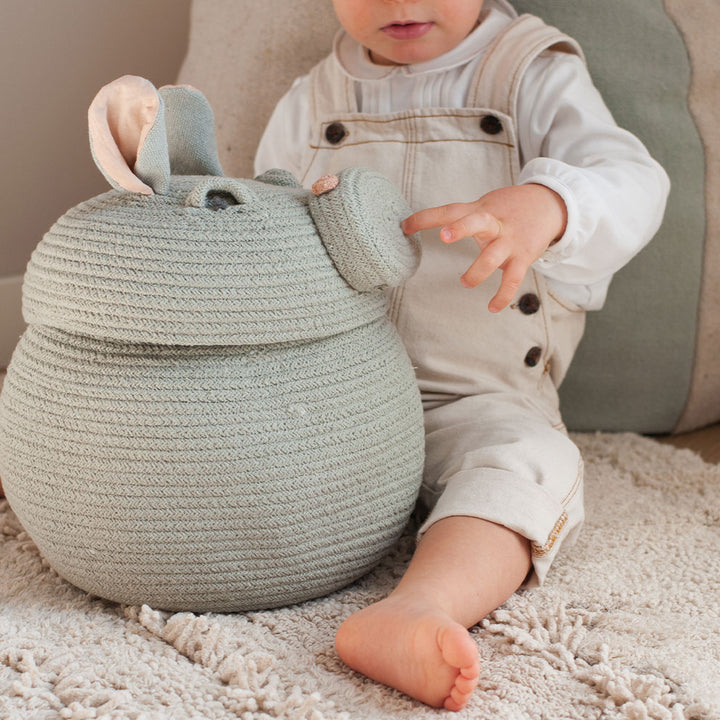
(54, 56)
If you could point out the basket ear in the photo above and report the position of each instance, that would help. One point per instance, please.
(128, 140)
(190, 127)
(358, 215)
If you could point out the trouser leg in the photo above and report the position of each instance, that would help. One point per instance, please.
(498, 458)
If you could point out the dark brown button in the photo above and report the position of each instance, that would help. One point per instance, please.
(533, 356)
(335, 133)
(491, 125)
(529, 304)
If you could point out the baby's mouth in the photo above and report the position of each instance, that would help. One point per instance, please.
(407, 30)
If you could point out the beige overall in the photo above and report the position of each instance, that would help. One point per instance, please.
(496, 445)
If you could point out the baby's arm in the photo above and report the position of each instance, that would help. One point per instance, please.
(614, 191)
(513, 226)
(611, 192)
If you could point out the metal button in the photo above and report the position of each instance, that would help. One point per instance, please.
(491, 124)
(533, 356)
(529, 304)
(335, 133)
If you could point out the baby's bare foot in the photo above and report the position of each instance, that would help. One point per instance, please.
(418, 650)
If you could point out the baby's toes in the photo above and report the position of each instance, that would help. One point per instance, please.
(465, 685)
(457, 700)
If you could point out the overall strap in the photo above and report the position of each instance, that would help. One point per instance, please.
(331, 91)
(497, 80)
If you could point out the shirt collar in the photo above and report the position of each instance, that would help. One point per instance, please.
(355, 62)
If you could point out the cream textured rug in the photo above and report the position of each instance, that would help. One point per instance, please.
(627, 626)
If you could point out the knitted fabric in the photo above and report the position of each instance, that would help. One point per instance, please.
(375, 262)
(165, 269)
(204, 413)
(211, 478)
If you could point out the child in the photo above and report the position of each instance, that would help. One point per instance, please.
(490, 123)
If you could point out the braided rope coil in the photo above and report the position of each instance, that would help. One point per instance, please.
(205, 413)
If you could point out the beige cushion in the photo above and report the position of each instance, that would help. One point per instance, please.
(647, 362)
(244, 55)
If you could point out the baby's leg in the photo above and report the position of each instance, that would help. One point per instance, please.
(416, 639)
(493, 457)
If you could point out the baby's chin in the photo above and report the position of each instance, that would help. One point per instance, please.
(404, 55)
(424, 48)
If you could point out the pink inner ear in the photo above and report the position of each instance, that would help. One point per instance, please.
(119, 118)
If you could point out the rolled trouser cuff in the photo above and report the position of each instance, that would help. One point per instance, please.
(507, 499)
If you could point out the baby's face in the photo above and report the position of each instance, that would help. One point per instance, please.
(401, 32)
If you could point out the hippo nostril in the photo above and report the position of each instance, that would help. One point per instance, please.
(220, 193)
(220, 200)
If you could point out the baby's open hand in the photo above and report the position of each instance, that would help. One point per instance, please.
(512, 226)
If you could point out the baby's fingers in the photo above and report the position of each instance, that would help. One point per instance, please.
(512, 278)
(433, 217)
(481, 226)
(489, 260)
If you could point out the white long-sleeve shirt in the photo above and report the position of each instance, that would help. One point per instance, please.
(614, 191)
